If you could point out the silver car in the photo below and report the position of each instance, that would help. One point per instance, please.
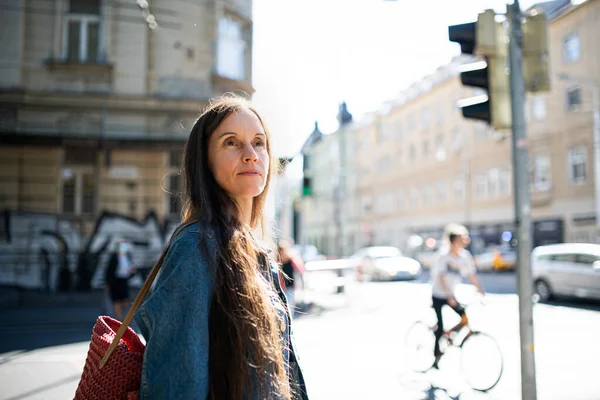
(385, 263)
(569, 269)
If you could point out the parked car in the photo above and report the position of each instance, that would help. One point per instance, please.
(385, 263)
(569, 269)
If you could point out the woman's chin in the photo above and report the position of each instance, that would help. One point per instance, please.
(250, 192)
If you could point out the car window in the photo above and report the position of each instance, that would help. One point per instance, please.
(545, 257)
(563, 258)
(587, 259)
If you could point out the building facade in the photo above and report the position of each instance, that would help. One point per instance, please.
(421, 165)
(97, 99)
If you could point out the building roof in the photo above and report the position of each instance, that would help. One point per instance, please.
(553, 8)
(314, 137)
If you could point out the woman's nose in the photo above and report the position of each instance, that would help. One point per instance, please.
(249, 153)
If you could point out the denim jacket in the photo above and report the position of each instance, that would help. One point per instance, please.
(174, 320)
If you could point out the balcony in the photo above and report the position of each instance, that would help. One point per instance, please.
(540, 197)
(71, 76)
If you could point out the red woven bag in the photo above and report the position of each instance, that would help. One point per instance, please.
(117, 377)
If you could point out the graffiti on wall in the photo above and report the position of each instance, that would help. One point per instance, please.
(34, 248)
(43, 251)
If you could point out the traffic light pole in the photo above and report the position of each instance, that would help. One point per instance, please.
(522, 203)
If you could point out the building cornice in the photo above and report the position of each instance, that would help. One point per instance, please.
(96, 101)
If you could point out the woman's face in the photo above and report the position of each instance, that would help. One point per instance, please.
(238, 157)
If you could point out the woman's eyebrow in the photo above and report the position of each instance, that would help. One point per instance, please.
(235, 134)
(227, 133)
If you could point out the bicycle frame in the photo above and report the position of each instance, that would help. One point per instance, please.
(464, 323)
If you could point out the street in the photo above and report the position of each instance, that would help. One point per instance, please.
(351, 349)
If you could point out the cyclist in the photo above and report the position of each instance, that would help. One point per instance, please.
(454, 261)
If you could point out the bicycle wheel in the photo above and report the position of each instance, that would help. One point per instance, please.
(419, 344)
(481, 361)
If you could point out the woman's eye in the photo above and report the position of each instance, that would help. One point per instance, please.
(259, 143)
(229, 142)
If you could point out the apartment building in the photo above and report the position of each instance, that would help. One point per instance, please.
(97, 99)
(421, 165)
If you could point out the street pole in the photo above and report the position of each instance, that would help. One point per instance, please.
(341, 185)
(596, 138)
(522, 203)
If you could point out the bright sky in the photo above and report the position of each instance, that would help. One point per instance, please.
(309, 55)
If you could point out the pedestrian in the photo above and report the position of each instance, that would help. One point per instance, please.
(292, 268)
(119, 270)
(217, 325)
(453, 263)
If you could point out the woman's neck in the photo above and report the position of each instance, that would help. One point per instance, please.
(245, 211)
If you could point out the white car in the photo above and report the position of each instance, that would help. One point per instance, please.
(569, 269)
(385, 263)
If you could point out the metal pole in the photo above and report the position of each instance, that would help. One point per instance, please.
(341, 189)
(596, 138)
(522, 203)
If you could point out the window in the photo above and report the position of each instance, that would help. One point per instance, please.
(401, 204)
(571, 48)
(538, 108)
(78, 186)
(440, 149)
(414, 197)
(480, 185)
(384, 204)
(492, 182)
(412, 122)
(568, 258)
(425, 117)
(441, 192)
(541, 173)
(586, 259)
(577, 164)
(459, 190)
(503, 182)
(427, 195)
(81, 31)
(574, 99)
(386, 133)
(399, 128)
(440, 115)
(366, 204)
(231, 49)
(457, 139)
(412, 153)
(425, 148)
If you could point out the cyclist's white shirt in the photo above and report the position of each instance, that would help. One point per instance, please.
(454, 267)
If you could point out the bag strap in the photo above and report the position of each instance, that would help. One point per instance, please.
(141, 296)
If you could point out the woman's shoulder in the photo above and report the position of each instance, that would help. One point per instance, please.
(188, 239)
(193, 232)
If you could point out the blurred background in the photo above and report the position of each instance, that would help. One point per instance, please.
(97, 98)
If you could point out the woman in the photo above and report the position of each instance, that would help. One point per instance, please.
(118, 272)
(217, 325)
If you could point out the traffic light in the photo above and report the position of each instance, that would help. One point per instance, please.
(485, 38)
(306, 187)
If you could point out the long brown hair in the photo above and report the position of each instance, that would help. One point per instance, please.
(244, 324)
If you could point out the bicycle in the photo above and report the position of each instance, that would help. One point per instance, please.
(481, 360)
